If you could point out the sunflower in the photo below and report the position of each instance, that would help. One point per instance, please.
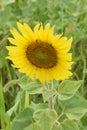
(39, 53)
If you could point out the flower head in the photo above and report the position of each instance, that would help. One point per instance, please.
(39, 53)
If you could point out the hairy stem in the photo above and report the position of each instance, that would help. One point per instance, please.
(51, 101)
(26, 99)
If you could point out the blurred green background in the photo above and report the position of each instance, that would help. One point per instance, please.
(69, 18)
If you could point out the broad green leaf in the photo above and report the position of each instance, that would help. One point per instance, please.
(74, 107)
(33, 126)
(69, 125)
(48, 93)
(22, 120)
(68, 88)
(83, 128)
(33, 87)
(84, 120)
(35, 107)
(55, 84)
(66, 125)
(57, 127)
(45, 118)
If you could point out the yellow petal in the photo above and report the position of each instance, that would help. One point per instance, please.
(37, 27)
(24, 32)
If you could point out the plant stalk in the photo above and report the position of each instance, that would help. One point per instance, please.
(51, 100)
(26, 99)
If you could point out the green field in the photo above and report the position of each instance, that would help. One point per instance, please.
(24, 104)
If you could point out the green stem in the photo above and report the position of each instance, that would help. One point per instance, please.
(21, 101)
(2, 105)
(26, 99)
(51, 101)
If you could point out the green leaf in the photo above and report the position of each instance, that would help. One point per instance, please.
(14, 108)
(48, 93)
(66, 125)
(33, 126)
(55, 84)
(11, 110)
(22, 120)
(75, 107)
(84, 120)
(56, 127)
(9, 84)
(33, 87)
(69, 125)
(5, 18)
(83, 128)
(45, 118)
(38, 106)
(68, 88)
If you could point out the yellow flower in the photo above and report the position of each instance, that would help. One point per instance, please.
(39, 53)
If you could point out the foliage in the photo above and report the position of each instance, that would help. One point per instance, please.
(27, 104)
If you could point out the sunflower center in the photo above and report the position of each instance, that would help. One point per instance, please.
(42, 55)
